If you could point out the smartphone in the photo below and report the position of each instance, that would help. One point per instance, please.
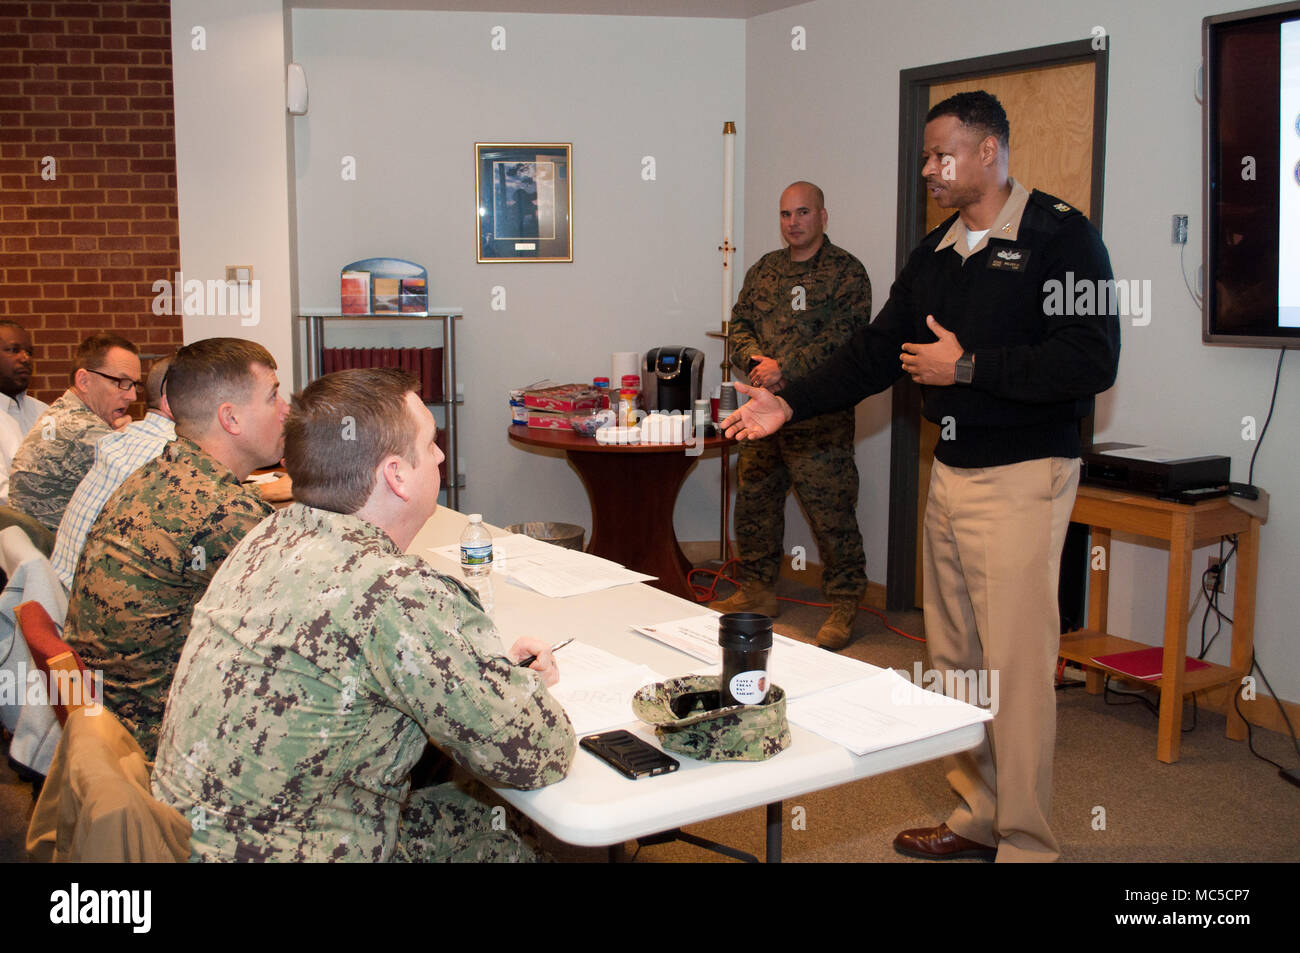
(629, 755)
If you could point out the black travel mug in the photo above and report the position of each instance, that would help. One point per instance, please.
(746, 640)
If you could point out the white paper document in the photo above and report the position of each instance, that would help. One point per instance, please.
(504, 548)
(881, 711)
(799, 668)
(596, 687)
(1148, 454)
(571, 577)
(549, 569)
(695, 635)
(802, 669)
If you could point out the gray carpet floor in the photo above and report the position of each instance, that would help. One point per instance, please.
(1217, 803)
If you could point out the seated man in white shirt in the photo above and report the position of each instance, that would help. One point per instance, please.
(117, 456)
(15, 375)
(20, 411)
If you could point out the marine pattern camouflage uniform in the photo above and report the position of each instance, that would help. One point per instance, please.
(320, 659)
(815, 455)
(54, 457)
(148, 558)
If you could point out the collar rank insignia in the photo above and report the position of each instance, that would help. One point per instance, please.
(1006, 227)
(1061, 207)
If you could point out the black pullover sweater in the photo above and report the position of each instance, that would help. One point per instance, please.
(1039, 314)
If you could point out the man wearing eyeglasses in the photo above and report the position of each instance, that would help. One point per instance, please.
(60, 448)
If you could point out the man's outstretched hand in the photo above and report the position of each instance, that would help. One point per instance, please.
(763, 415)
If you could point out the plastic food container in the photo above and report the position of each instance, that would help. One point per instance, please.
(619, 435)
(588, 424)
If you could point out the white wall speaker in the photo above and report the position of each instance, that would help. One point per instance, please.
(296, 90)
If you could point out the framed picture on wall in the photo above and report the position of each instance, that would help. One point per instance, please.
(524, 192)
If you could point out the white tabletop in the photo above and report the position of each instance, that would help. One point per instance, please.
(596, 806)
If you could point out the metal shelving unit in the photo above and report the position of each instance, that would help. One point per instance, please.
(314, 323)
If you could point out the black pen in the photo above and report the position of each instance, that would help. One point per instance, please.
(533, 658)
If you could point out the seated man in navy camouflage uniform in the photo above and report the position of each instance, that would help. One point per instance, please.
(321, 658)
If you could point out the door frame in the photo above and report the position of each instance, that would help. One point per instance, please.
(905, 418)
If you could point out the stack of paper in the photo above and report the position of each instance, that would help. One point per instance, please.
(551, 570)
(596, 687)
(881, 711)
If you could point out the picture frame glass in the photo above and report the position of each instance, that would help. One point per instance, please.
(524, 201)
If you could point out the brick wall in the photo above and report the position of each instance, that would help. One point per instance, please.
(90, 85)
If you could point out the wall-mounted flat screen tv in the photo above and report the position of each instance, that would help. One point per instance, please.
(1252, 177)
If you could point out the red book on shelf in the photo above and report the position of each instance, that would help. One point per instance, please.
(1146, 664)
(439, 381)
(426, 376)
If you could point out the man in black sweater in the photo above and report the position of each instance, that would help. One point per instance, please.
(1005, 315)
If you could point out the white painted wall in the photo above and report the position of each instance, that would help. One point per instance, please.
(830, 113)
(232, 161)
(409, 93)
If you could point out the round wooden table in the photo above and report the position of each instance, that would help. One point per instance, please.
(633, 492)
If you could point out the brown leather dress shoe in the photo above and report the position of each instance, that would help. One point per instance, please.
(940, 843)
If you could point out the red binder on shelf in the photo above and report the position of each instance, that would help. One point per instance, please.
(1146, 664)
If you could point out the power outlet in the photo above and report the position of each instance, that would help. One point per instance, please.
(1217, 580)
(1180, 230)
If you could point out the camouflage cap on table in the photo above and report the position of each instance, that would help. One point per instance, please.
(737, 733)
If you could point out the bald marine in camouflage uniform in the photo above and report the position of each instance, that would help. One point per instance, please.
(160, 538)
(322, 657)
(797, 306)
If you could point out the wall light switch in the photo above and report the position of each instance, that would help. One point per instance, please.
(240, 274)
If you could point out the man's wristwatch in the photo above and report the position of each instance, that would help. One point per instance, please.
(965, 368)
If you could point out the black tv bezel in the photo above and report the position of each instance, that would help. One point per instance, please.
(1279, 11)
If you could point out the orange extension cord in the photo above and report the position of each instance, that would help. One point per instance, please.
(710, 593)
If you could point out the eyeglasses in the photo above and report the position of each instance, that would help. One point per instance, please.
(123, 383)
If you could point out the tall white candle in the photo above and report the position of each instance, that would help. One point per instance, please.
(728, 213)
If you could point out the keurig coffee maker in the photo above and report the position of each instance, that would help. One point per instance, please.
(671, 378)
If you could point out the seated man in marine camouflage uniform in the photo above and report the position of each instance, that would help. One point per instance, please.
(321, 657)
(159, 539)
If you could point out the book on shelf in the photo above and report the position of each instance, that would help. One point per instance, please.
(1145, 664)
(355, 290)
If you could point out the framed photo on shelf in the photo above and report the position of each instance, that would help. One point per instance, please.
(524, 192)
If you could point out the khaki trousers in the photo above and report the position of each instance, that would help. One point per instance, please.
(992, 557)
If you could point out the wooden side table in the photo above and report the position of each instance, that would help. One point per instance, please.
(632, 489)
(1183, 527)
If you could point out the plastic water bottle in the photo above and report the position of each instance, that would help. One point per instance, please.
(476, 559)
